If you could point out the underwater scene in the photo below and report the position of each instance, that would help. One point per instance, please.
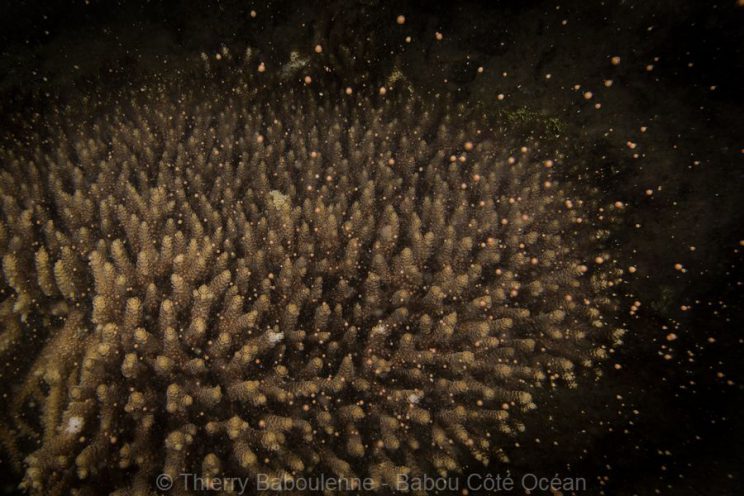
(371, 247)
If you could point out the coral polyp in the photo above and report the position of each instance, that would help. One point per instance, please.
(217, 281)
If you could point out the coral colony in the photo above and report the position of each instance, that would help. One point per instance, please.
(214, 278)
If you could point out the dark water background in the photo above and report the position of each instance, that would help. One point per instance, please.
(686, 437)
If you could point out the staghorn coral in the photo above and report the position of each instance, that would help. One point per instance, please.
(216, 282)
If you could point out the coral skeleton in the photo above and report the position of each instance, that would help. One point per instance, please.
(209, 279)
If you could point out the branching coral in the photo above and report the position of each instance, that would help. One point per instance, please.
(219, 282)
